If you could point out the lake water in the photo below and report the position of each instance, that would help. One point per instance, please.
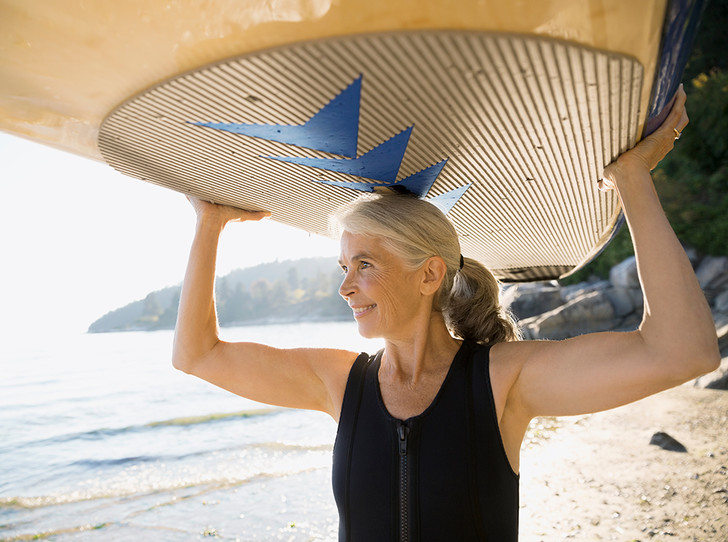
(101, 439)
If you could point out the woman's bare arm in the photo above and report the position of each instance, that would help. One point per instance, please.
(301, 378)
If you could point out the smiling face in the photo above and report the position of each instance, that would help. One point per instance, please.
(383, 293)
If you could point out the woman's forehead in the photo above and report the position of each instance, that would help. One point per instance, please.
(357, 245)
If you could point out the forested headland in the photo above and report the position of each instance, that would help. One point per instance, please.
(288, 291)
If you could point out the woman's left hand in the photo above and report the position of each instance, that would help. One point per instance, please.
(648, 152)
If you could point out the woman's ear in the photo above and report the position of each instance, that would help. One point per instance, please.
(434, 270)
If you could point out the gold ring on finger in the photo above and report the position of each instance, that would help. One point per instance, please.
(678, 133)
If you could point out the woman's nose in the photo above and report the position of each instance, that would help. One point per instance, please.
(347, 286)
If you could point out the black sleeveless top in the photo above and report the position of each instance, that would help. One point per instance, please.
(442, 475)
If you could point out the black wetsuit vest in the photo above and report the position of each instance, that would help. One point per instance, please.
(439, 476)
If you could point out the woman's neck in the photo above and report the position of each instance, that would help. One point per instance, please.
(428, 349)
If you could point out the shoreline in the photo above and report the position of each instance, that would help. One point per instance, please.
(593, 477)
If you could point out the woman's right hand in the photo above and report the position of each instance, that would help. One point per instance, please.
(223, 214)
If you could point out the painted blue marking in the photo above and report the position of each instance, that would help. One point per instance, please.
(360, 186)
(420, 183)
(444, 202)
(334, 129)
(380, 164)
(447, 201)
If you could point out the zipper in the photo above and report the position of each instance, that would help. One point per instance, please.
(402, 433)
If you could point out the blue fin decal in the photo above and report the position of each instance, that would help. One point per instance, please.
(447, 201)
(380, 164)
(334, 129)
(420, 183)
(361, 186)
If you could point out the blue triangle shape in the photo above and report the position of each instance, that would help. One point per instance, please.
(420, 183)
(380, 164)
(353, 185)
(447, 201)
(333, 129)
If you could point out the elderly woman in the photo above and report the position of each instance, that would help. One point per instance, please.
(430, 428)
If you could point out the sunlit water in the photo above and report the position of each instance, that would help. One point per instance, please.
(101, 439)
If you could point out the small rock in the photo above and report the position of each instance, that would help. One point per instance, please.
(666, 442)
(716, 380)
(719, 383)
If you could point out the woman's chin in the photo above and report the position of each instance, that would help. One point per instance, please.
(367, 331)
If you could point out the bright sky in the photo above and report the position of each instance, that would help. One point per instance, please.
(80, 239)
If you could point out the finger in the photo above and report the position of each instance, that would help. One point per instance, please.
(678, 110)
(684, 120)
(605, 185)
(253, 216)
(259, 215)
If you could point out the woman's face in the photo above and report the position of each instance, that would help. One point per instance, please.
(382, 292)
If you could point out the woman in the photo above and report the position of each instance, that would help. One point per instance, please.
(430, 429)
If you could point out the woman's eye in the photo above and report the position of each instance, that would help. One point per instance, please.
(364, 265)
(344, 269)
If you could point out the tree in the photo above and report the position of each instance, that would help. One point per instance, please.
(693, 178)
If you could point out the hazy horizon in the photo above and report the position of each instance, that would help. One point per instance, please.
(80, 239)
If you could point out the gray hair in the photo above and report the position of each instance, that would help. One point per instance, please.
(415, 230)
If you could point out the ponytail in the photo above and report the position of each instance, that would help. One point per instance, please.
(472, 308)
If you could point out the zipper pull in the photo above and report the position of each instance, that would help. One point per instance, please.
(403, 431)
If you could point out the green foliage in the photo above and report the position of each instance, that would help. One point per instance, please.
(692, 180)
(711, 42)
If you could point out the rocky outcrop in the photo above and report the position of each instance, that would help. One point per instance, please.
(549, 311)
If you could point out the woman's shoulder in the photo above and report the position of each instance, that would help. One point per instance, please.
(508, 357)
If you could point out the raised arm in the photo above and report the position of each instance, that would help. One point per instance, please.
(301, 378)
(676, 340)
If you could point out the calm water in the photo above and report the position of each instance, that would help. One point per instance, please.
(101, 439)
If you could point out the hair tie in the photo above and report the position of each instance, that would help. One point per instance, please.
(462, 261)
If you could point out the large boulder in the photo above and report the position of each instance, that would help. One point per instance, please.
(712, 275)
(720, 303)
(624, 274)
(577, 290)
(623, 300)
(585, 314)
(530, 299)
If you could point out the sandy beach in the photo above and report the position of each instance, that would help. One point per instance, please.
(598, 478)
